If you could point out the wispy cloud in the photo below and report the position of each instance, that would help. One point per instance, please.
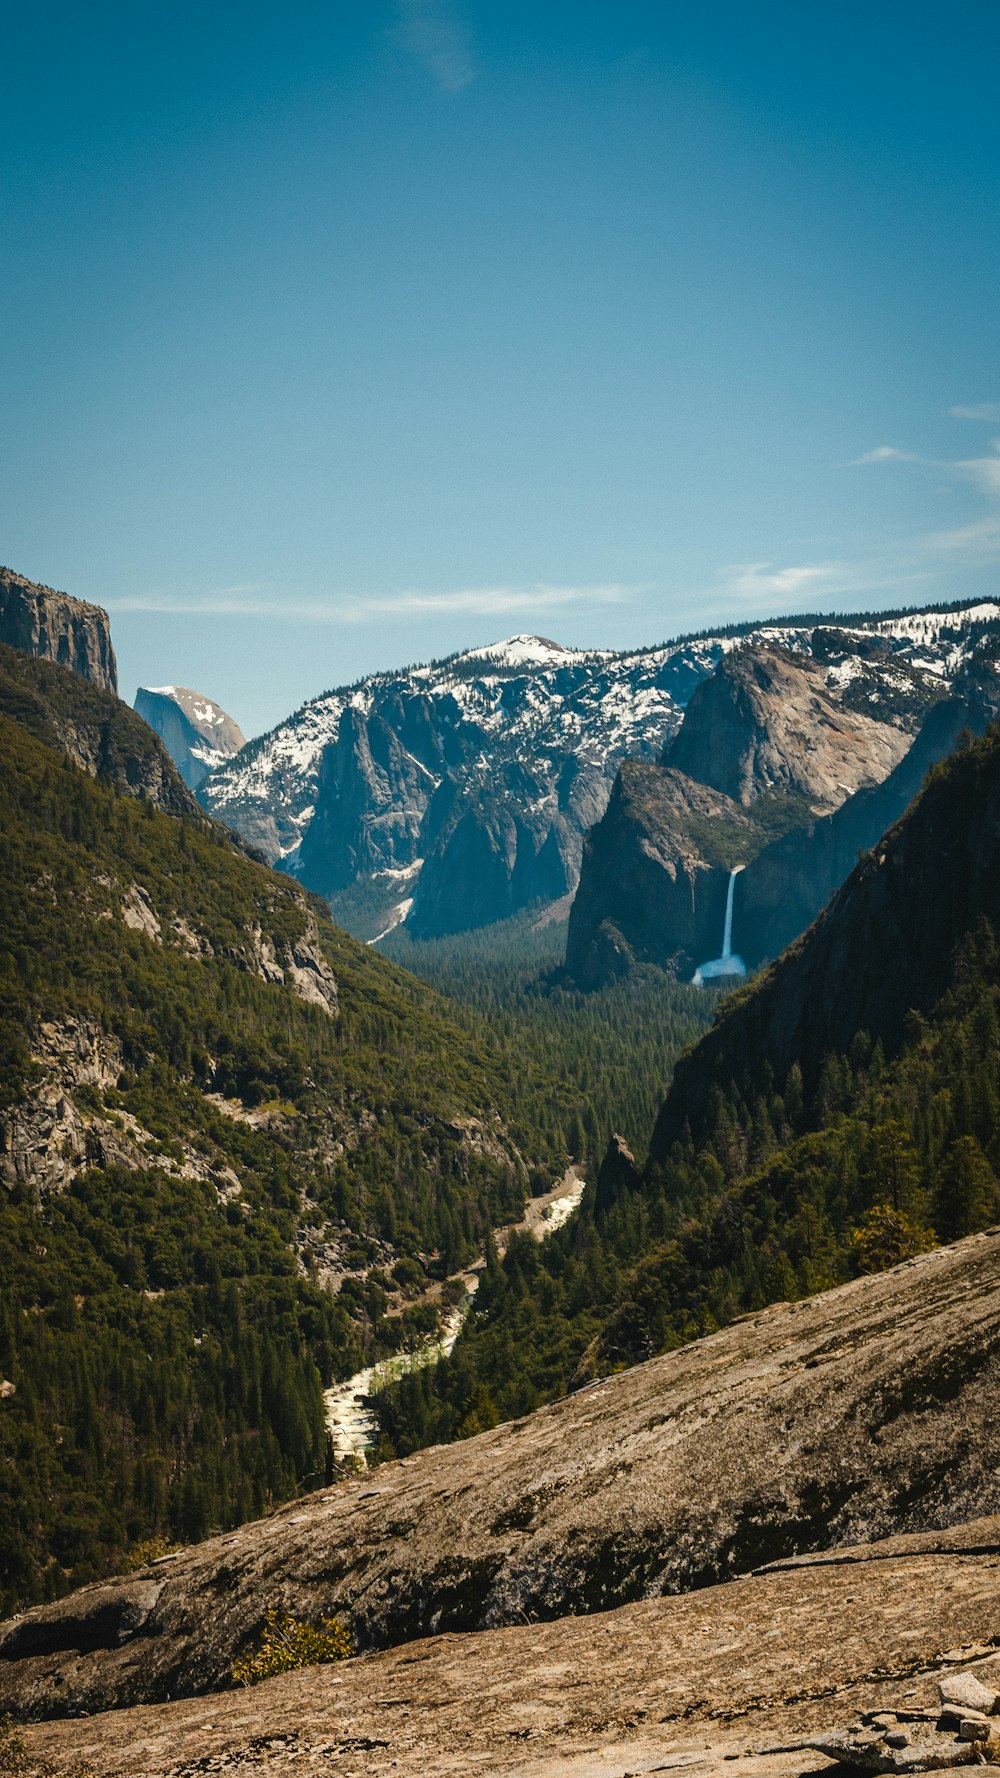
(980, 410)
(757, 582)
(495, 601)
(980, 540)
(433, 34)
(983, 471)
(886, 454)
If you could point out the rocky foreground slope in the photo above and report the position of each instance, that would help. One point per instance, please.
(745, 1672)
(867, 1411)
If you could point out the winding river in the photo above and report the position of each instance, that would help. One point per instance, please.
(350, 1422)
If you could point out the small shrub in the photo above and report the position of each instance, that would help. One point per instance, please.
(286, 1643)
(885, 1237)
(150, 1549)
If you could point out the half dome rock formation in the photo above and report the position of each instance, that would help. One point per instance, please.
(40, 621)
(196, 732)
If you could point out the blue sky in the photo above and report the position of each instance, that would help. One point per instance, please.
(336, 336)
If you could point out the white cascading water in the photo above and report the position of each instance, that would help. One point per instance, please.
(728, 966)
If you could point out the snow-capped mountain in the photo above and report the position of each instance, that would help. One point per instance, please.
(195, 731)
(462, 789)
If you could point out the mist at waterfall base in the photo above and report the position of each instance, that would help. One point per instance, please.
(728, 967)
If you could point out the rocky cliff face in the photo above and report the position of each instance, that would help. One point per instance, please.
(197, 733)
(372, 795)
(860, 1413)
(57, 628)
(654, 876)
(787, 884)
(767, 721)
(884, 946)
(766, 747)
(655, 871)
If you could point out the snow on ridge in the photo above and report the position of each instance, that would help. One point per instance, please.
(532, 698)
(527, 651)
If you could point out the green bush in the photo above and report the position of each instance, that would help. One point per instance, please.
(286, 1643)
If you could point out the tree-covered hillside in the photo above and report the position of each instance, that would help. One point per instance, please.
(610, 1053)
(212, 1103)
(792, 1178)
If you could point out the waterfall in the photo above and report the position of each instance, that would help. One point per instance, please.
(728, 966)
(727, 936)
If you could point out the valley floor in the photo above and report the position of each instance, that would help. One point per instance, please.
(733, 1678)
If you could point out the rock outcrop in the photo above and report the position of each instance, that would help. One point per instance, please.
(197, 733)
(51, 625)
(862, 1413)
(654, 875)
(617, 1174)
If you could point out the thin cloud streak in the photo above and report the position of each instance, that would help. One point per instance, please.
(980, 540)
(500, 601)
(982, 410)
(886, 454)
(430, 32)
(756, 581)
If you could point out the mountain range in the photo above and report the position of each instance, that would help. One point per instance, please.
(455, 794)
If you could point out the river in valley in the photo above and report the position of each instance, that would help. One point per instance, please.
(350, 1422)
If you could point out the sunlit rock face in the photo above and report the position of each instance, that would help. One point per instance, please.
(196, 732)
(51, 625)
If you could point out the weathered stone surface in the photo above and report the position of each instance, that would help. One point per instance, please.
(40, 621)
(866, 1411)
(923, 1750)
(714, 1682)
(98, 1617)
(965, 1690)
